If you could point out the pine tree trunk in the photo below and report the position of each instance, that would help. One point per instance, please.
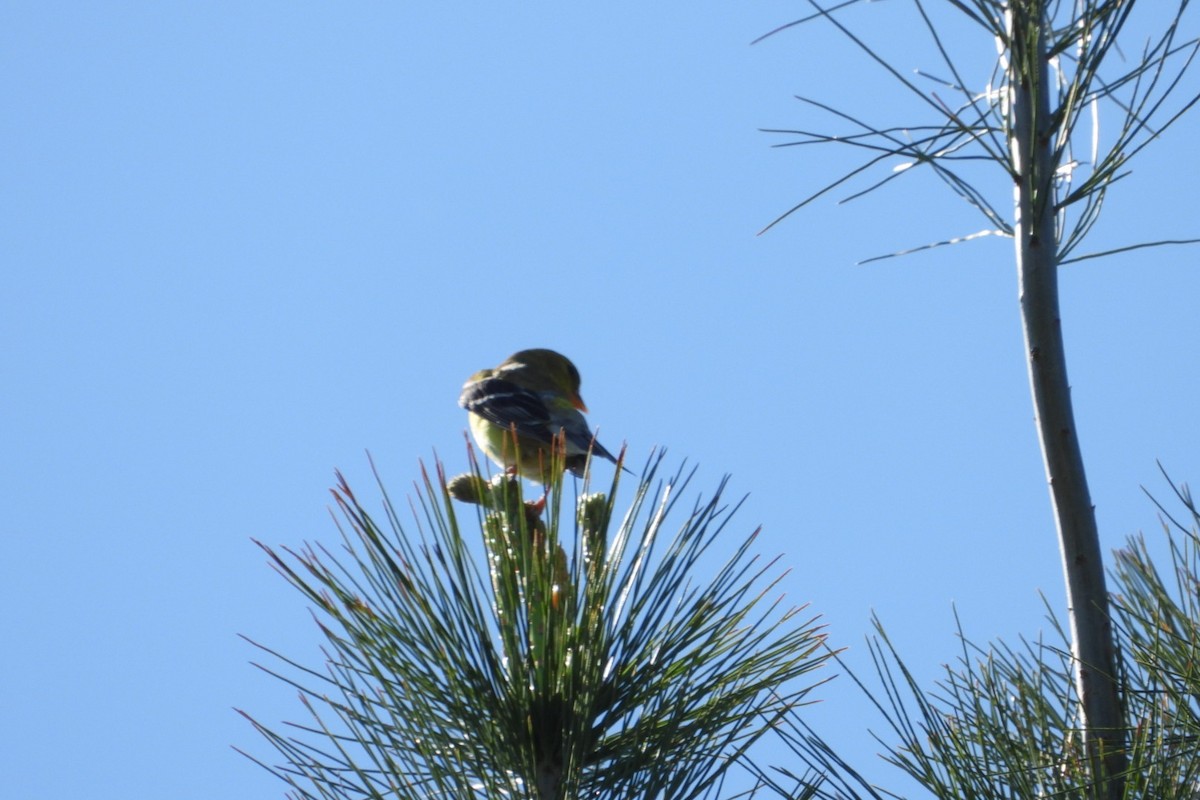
(1032, 150)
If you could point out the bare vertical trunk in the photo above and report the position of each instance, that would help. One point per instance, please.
(1032, 149)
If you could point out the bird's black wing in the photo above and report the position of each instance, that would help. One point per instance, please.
(504, 403)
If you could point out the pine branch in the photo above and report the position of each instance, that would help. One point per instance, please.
(561, 655)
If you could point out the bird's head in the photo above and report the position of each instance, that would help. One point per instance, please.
(551, 367)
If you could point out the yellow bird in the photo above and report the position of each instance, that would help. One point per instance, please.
(534, 394)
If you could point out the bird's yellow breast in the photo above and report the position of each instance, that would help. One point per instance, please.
(530, 458)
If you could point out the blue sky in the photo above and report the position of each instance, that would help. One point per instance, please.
(246, 242)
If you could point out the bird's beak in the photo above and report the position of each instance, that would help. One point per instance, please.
(577, 401)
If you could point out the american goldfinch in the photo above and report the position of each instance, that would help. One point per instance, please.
(536, 394)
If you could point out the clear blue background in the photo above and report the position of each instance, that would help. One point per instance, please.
(242, 243)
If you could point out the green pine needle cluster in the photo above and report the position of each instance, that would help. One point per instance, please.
(499, 648)
(1002, 723)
